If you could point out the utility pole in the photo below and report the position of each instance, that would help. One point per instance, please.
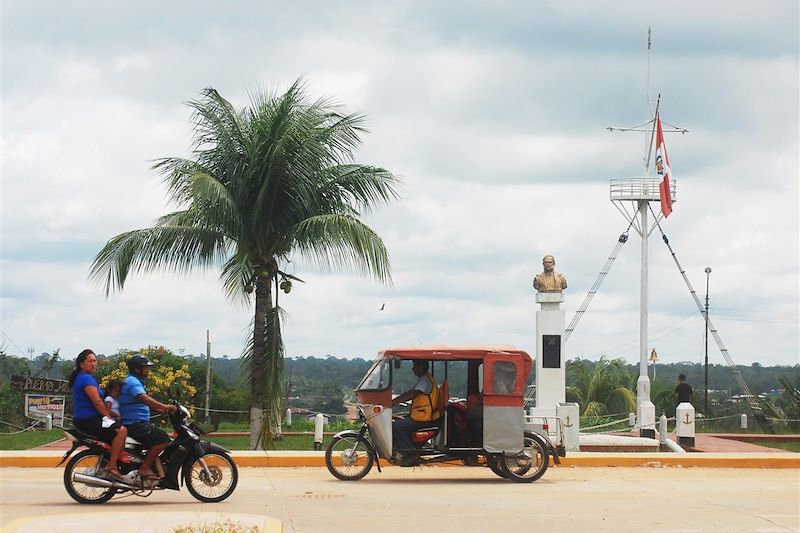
(288, 389)
(705, 401)
(208, 373)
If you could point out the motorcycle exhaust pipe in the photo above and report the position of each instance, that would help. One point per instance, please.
(93, 481)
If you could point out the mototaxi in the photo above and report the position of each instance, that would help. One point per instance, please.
(484, 428)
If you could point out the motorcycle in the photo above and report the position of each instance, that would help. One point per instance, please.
(207, 470)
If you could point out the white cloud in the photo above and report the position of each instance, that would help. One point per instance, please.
(135, 62)
(494, 118)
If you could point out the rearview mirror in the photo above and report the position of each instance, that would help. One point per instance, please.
(397, 362)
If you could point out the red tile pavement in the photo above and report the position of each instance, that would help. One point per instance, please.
(62, 444)
(706, 442)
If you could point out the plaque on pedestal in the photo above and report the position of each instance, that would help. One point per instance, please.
(551, 351)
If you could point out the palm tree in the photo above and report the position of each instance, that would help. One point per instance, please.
(600, 388)
(662, 394)
(274, 179)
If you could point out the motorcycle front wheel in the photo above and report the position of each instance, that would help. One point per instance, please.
(348, 458)
(89, 463)
(212, 477)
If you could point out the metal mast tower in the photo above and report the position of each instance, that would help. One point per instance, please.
(632, 196)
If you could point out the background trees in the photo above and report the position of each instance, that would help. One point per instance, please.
(171, 372)
(273, 179)
(323, 383)
(603, 388)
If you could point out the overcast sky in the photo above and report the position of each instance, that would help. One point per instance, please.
(493, 114)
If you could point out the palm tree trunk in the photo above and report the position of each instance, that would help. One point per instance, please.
(263, 304)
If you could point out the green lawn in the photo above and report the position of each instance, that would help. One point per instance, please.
(789, 446)
(33, 439)
(29, 439)
(293, 442)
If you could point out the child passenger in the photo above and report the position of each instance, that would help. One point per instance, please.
(113, 389)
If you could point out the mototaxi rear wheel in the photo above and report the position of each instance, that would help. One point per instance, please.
(530, 464)
(496, 465)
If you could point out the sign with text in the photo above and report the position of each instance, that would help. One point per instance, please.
(44, 385)
(41, 405)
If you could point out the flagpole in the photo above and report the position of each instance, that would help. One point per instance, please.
(647, 95)
(645, 410)
(652, 135)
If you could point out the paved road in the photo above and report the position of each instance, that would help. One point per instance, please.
(450, 499)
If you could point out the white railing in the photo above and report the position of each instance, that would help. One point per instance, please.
(638, 189)
(552, 426)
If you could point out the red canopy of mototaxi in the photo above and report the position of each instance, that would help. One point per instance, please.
(446, 352)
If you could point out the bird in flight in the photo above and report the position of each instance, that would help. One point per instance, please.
(382, 307)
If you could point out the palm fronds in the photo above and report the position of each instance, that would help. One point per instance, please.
(262, 183)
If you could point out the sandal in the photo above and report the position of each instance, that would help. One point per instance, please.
(115, 473)
(148, 475)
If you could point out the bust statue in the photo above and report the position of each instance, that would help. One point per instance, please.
(549, 280)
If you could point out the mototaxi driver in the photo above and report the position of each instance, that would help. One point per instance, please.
(424, 397)
(135, 405)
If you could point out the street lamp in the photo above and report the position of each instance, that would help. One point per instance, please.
(705, 401)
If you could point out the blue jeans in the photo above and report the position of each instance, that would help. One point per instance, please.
(401, 433)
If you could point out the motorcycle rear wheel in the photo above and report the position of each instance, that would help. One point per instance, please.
(90, 463)
(215, 484)
(348, 458)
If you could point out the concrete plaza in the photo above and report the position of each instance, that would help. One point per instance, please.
(442, 499)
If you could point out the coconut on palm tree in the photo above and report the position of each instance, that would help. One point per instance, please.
(264, 183)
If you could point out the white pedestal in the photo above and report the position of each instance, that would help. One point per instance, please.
(647, 419)
(569, 413)
(645, 410)
(685, 426)
(550, 354)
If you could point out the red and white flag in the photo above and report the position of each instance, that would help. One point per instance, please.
(664, 172)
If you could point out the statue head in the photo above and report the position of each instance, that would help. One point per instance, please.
(549, 263)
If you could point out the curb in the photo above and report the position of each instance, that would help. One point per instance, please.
(681, 460)
(261, 459)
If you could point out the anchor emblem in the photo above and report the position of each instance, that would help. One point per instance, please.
(567, 423)
(687, 421)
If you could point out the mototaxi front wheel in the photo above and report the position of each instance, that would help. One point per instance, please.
(530, 464)
(89, 463)
(212, 477)
(349, 458)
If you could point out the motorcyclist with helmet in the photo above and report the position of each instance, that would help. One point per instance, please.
(135, 405)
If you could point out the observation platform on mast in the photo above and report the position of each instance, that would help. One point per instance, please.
(638, 189)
